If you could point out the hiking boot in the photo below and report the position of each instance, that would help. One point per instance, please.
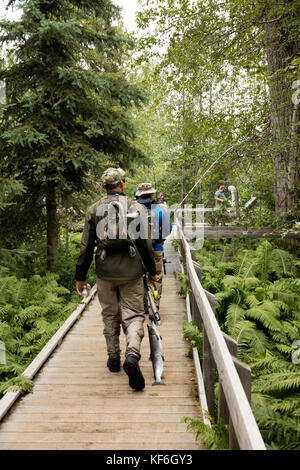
(132, 369)
(114, 364)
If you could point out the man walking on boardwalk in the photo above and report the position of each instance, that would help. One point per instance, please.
(119, 271)
(161, 227)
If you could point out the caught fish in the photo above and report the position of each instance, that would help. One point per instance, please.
(156, 354)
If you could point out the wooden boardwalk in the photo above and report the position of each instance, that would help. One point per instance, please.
(77, 404)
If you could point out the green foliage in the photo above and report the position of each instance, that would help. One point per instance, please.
(184, 283)
(67, 260)
(269, 263)
(31, 311)
(278, 421)
(215, 437)
(222, 63)
(68, 109)
(192, 334)
(16, 384)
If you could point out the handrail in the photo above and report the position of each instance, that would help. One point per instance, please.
(245, 426)
(200, 382)
(9, 398)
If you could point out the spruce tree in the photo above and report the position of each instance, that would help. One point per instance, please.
(67, 110)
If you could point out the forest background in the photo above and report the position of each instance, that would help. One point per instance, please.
(216, 76)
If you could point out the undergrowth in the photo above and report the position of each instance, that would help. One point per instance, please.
(31, 311)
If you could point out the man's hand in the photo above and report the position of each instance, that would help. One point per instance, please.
(153, 278)
(80, 285)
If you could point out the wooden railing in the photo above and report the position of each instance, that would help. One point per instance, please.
(219, 351)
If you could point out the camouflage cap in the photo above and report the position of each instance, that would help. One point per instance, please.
(122, 172)
(145, 188)
(112, 176)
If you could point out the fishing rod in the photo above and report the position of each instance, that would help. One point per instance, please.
(156, 355)
(211, 166)
(155, 313)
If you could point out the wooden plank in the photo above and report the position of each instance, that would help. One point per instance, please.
(94, 402)
(101, 438)
(201, 388)
(69, 417)
(244, 373)
(209, 374)
(241, 414)
(53, 408)
(98, 427)
(223, 410)
(90, 445)
(231, 344)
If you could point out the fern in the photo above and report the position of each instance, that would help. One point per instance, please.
(281, 430)
(283, 264)
(247, 335)
(215, 437)
(288, 406)
(259, 306)
(12, 369)
(184, 284)
(278, 383)
(287, 291)
(16, 384)
(31, 311)
(27, 316)
(268, 262)
(192, 334)
(267, 314)
(234, 314)
(270, 361)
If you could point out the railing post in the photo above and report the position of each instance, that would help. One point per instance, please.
(244, 373)
(209, 375)
(209, 365)
(207, 356)
(193, 252)
(196, 314)
(223, 411)
(182, 254)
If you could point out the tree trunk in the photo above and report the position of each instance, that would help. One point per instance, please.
(52, 228)
(281, 49)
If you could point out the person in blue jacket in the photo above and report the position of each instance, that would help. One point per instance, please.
(161, 227)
